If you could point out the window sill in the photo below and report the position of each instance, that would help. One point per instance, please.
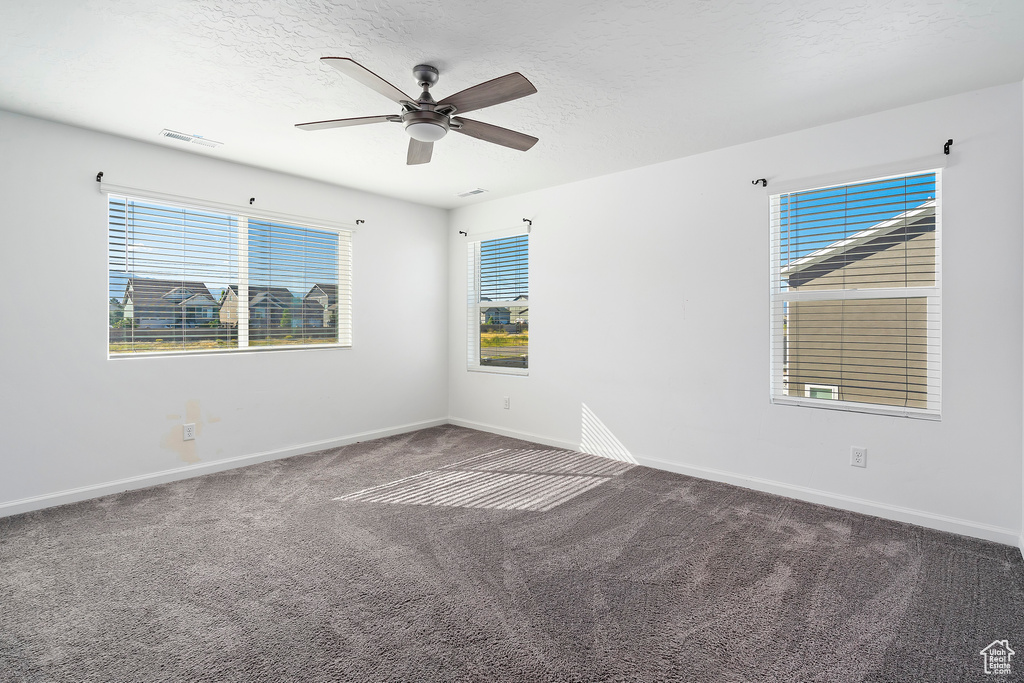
(227, 352)
(850, 407)
(497, 370)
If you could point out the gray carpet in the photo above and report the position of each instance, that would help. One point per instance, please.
(453, 555)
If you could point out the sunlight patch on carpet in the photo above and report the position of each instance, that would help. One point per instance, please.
(547, 461)
(502, 479)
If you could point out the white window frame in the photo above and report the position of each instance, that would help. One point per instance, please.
(933, 296)
(242, 215)
(474, 305)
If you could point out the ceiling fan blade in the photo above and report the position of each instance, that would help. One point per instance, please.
(495, 134)
(360, 73)
(341, 123)
(419, 152)
(498, 90)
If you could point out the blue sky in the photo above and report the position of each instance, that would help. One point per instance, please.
(504, 268)
(190, 244)
(814, 219)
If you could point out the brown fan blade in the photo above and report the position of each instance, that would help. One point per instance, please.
(495, 134)
(504, 89)
(341, 123)
(419, 152)
(360, 73)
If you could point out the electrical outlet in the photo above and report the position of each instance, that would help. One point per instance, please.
(858, 456)
(188, 431)
(508, 403)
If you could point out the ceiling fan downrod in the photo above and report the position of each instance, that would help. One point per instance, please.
(425, 124)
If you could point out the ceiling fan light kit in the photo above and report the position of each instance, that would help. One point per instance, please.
(425, 128)
(426, 121)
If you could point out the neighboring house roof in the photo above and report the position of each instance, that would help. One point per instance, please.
(279, 296)
(199, 300)
(266, 299)
(878, 237)
(317, 290)
(149, 294)
(521, 297)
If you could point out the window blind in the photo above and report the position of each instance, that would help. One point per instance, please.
(499, 306)
(186, 279)
(856, 298)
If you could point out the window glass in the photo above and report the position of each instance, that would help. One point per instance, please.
(855, 295)
(187, 279)
(499, 303)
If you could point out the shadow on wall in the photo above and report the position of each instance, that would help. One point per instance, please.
(597, 439)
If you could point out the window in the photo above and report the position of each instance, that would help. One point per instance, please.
(186, 279)
(499, 308)
(855, 296)
(819, 391)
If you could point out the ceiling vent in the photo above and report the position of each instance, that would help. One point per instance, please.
(185, 137)
(470, 193)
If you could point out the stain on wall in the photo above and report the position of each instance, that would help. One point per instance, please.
(173, 439)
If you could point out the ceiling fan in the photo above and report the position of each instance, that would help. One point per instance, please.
(427, 121)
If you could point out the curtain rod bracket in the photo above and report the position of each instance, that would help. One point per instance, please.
(359, 221)
(251, 200)
(527, 220)
(945, 147)
(463, 233)
(763, 181)
(99, 176)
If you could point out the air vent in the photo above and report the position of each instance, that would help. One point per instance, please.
(470, 193)
(185, 137)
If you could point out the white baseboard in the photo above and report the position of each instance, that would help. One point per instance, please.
(535, 438)
(926, 519)
(15, 507)
(929, 520)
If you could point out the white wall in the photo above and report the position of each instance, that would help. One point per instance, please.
(73, 419)
(649, 305)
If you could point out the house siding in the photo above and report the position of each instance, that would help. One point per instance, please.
(874, 350)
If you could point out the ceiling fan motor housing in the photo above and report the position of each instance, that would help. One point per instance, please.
(425, 125)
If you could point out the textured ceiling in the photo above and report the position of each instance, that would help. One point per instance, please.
(621, 83)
